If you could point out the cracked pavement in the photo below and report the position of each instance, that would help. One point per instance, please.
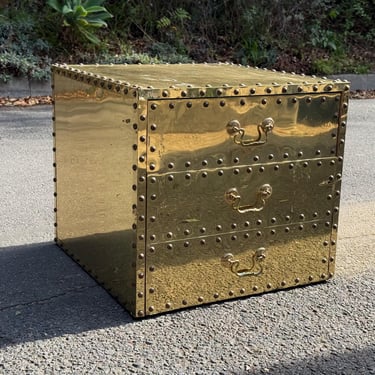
(55, 319)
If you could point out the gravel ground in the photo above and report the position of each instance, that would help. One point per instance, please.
(54, 319)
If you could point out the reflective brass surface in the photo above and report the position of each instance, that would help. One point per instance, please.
(176, 188)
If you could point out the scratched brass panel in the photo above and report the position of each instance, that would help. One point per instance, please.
(195, 136)
(184, 205)
(94, 178)
(181, 275)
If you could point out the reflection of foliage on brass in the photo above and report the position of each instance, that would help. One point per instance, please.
(255, 269)
(233, 198)
(234, 128)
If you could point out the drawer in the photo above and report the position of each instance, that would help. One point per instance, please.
(185, 205)
(211, 133)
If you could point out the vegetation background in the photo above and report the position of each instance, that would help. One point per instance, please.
(305, 36)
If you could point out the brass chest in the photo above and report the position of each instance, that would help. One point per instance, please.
(179, 185)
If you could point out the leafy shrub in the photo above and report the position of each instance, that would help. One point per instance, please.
(22, 53)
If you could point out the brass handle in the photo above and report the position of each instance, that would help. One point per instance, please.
(255, 268)
(233, 198)
(238, 133)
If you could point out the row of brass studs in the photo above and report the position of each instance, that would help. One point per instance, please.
(237, 171)
(125, 87)
(54, 172)
(242, 102)
(247, 224)
(255, 158)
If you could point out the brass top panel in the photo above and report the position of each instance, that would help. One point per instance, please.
(196, 80)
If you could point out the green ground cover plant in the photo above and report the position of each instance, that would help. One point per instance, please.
(309, 36)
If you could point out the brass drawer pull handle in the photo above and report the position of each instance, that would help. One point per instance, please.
(233, 198)
(238, 133)
(255, 269)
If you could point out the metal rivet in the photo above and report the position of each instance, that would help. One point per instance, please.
(216, 295)
(170, 177)
(324, 260)
(153, 106)
(236, 91)
(247, 223)
(202, 93)
(270, 156)
(171, 105)
(287, 218)
(153, 219)
(204, 174)
(273, 220)
(249, 170)
(168, 305)
(220, 172)
(331, 259)
(264, 101)
(231, 293)
(283, 283)
(218, 239)
(334, 226)
(256, 158)
(291, 166)
(246, 235)
(297, 280)
(279, 101)
(273, 231)
(141, 313)
(219, 92)
(311, 278)
(187, 164)
(325, 243)
(259, 233)
(300, 227)
(203, 242)
(153, 197)
(206, 104)
(276, 167)
(285, 155)
(236, 160)
(141, 198)
(200, 299)
(269, 286)
(219, 227)
(299, 88)
(151, 268)
(151, 308)
(315, 226)
(242, 290)
(153, 237)
(255, 288)
(261, 169)
(169, 246)
(294, 100)
(308, 100)
(165, 93)
(287, 229)
(269, 90)
(142, 117)
(234, 238)
(189, 104)
(323, 276)
(220, 161)
(329, 196)
(141, 275)
(234, 225)
(222, 103)
(259, 222)
(170, 165)
(186, 244)
(315, 87)
(242, 102)
(187, 176)
(333, 242)
(184, 302)
(252, 91)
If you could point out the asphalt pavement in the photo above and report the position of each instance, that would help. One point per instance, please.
(55, 319)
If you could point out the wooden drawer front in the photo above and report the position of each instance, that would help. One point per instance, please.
(211, 133)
